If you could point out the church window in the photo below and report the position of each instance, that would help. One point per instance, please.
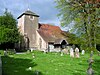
(31, 17)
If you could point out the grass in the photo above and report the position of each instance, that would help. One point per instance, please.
(48, 64)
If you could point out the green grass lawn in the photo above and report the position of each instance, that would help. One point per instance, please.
(48, 64)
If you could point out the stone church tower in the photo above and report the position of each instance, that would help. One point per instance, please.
(28, 25)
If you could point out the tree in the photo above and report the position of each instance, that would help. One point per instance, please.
(7, 20)
(9, 34)
(85, 14)
(70, 37)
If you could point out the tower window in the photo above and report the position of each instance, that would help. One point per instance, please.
(32, 17)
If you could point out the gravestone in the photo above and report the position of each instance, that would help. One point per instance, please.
(68, 49)
(31, 50)
(65, 51)
(28, 51)
(5, 53)
(77, 52)
(83, 52)
(71, 52)
(14, 51)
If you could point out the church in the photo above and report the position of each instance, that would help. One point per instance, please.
(37, 36)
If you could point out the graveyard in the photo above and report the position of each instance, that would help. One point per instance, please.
(50, 37)
(39, 63)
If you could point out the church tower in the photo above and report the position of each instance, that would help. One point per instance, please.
(28, 25)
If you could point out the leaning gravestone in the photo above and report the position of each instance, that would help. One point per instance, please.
(90, 70)
(71, 52)
(77, 52)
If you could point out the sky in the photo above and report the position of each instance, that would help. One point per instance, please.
(44, 8)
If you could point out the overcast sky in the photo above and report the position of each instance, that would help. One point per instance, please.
(44, 8)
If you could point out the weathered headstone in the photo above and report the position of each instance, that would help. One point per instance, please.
(65, 50)
(14, 51)
(71, 52)
(83, 52)
(90, 71)
(77, 53)
(31, 50)
(5, 53)
(28, 51)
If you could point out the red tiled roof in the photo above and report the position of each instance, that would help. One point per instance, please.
(50, 33)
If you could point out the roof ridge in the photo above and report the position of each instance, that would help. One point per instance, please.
(49, 24)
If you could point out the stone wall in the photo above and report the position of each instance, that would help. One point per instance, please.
(41, 44)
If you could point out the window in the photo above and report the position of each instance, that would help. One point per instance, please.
(32, 17)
